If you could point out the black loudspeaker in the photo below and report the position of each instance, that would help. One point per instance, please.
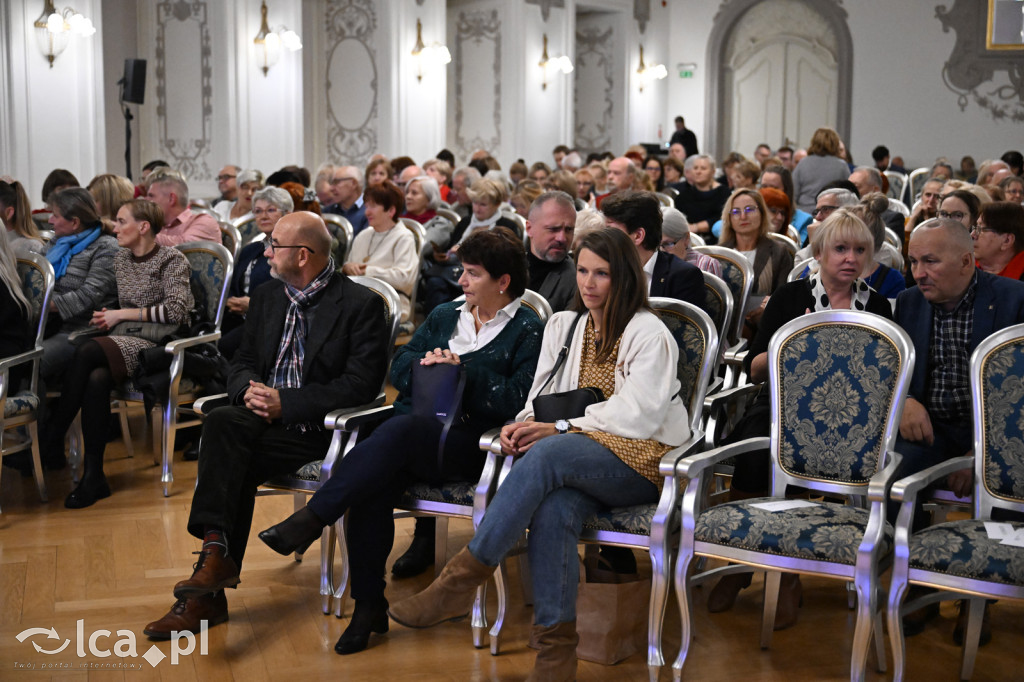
(134, 81)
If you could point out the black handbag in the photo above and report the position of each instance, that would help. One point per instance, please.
(570, 404)
(437, 393)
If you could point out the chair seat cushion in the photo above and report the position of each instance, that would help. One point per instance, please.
(21, 404)
(310, 471)
(636, 519)
(823, 532)
(455, 492)
(963, 548)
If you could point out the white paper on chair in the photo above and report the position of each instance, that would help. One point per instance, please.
(1016, 539)
(998, 531)
(783, 505)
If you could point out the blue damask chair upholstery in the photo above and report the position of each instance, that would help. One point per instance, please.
(960, 558)
(342, 234)
(247, 227)
(739, 276)
(20, 408)
(838, 381)
(231, 238)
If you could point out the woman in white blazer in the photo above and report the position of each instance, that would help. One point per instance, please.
(571, 468)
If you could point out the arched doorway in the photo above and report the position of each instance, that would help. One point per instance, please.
(777, 70)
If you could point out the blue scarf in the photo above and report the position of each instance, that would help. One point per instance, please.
(64, 248)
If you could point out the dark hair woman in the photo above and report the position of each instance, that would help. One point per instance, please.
(154, 299)
(15, 211)
(497, 341)
(570, 469)
(999, 239)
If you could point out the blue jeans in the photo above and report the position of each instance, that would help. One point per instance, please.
(560, 482)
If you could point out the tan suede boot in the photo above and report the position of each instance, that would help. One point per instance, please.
(449, 597)
(556, 660)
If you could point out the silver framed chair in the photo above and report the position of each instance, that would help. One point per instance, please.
(915, 183)
(793, 234)
(801, 269)
(739, 276)
(342, 234)
(838, 382)
(960, 559)
(450, 215)
(519, 220)
(420, 233)
(785, 240)
(696, 240)
(664, 199)
(231, 238)
(247, 227)
(897, 183)
(19, 409)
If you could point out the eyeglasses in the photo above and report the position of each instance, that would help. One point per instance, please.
(746, 210)
(824, 210)
(338, 181)
(952, 215)
(667, 245)
(225, 178)
(270, 210)
(978, 229)
(274, 246)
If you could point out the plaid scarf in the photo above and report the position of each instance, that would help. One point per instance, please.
(287, 372)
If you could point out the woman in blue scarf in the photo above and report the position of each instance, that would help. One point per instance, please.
(83, 260)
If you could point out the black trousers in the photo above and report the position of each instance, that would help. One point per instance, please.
(370, 480)
(238, 452)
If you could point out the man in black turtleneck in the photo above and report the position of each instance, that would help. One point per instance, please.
(550, 226)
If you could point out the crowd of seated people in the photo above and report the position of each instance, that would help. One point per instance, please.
(935, 250)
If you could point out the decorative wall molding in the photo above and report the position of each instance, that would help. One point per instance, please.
(594, 50)
(546, 5)
(725, 21)
(478, 27)
(970, 72)
(352, 129)
(189, 154)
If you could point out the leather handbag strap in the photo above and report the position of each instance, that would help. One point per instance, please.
(562, 353)
(453, 413)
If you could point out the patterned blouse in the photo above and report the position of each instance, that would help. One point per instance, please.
(643, 456)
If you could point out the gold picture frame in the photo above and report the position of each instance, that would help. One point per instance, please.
(1005, 29)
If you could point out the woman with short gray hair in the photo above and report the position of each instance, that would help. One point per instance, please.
(249, 182)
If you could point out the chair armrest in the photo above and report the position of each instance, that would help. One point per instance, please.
(737, 348)
(716, 385)
(490, 441)
(347, 419)
(691, 467)
(203, 406)
(692, 445)
(735, 357)
(179, 345)
(21, 358)
(725, 397)
(881, 482)
(906, 489)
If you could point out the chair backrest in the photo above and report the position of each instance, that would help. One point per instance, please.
(718, 302)
(893, 239)
(247, 227)
(790, 245)
(665, 199)
(671, 191)
(211, 276)
(342, 234)
(801, 269)
(739, 276)
(37, 282)
(793, 234)
(532, 300)
(519, 220)
(417, 230)
(231, 238)
(205, 210)
(899, 207)
(838, 382)
(449, 215)
(392, 303)
(696, 240)
(917, 179)
(698, 342)
(997, 392)
(46, 235)
(897, 183)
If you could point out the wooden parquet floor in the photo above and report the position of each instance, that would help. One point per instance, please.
(113, 566)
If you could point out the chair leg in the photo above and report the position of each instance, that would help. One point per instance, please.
(77, 447)
(867, 605)
(684, 597)
(126, 432)
(501, 587)
(772, 580)
(298, 502)
(327, 569)
(897, 591)
(971, 638)
(880, 664)
(37, 466)
(342, 585)
(478, 616)
(440, 544)
(661, 576)
(162, 419)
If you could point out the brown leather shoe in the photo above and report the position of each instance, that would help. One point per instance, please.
(187, 615)
(213, 572)
(556, 660)
(723, 595)
(449, 597)
(791, 597)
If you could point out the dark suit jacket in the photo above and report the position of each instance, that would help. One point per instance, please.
(345, 350)
(675, 278)
(998, 303)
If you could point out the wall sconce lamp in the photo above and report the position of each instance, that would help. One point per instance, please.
(269, 43)
(54, 29)
(433, 55)
(649, 74)
(563, 64)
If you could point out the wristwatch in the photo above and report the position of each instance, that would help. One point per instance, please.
(562, 426)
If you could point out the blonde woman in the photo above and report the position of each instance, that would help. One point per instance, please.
(111, 192)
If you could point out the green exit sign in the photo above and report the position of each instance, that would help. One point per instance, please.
(686, 74)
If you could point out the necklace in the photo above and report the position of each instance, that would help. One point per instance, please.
(372, 242)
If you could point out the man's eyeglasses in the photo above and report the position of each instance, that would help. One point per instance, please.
(824, 210)
(270, 210)
(746, 210)
(274, 246)
(952, 215)
(225, 178)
